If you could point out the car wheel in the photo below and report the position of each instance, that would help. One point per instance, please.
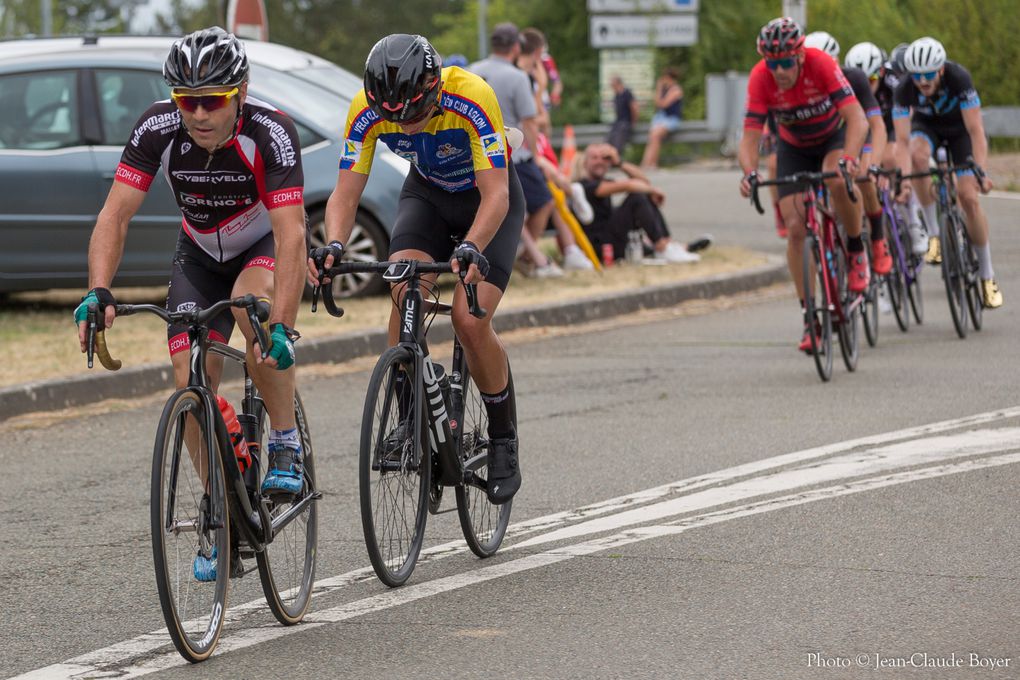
(368, 243)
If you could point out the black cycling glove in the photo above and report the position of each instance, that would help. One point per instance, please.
(467, 253)
(319, 255)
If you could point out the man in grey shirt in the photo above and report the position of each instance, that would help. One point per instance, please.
(517, 101)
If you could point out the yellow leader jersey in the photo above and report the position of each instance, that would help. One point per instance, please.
(464, 137)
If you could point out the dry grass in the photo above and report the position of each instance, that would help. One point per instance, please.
(36, 328)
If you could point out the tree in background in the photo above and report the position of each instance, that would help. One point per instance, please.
(979, 34)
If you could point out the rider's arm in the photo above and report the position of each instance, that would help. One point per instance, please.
(976, 128)
(747, 153)
(494, 190)
(754, 119)
(341, 211)
(879, 138)
(106, 246)
(856, 128)
(288, 279)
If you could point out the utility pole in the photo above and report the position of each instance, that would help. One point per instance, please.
(797, 10)
(483, 32)
(47, 18)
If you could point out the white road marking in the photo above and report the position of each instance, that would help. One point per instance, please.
(1011, 195)
(869, 462)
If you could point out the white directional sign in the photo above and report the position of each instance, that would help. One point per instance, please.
(642, 5)
(635, 31)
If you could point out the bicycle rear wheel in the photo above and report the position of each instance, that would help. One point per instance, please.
(914, 293)
(849, 344)
(287, 565)
(895, 281)
(817, 314)
(188, 513)
(484, 524)
(393, 471)
(952, 273)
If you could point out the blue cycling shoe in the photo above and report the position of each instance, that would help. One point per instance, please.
(205, 566)
(285, 471)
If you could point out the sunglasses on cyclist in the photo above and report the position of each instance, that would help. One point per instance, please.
(784, 63)
(210, 101)
(929, 76)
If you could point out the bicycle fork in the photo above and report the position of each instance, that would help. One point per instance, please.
(442, 440)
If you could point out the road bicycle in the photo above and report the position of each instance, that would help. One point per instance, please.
(201, 503)
(903, 283)
(423, 430)
(960, 269)
(828, 300)
(869, 298)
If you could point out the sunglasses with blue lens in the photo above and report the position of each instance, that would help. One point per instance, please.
(929, 76)
(784, 63)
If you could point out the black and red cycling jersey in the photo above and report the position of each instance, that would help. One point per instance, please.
(808, 113)
(225, 197)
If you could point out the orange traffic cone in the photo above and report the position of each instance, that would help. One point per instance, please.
(569, 150)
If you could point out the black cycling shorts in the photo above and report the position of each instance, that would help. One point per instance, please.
(791, 159)
(198, 280)
(434, 221)
(533, 184)
(958, 141)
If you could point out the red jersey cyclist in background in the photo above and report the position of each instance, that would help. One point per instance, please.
(820, 123)
(874, 146)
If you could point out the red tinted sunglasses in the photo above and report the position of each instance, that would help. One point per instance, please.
(210, 101)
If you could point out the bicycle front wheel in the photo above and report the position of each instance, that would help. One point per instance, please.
(849, 345)
(975, 303)
(484, 524)
(393, 468)
(895, 281)
(952, 274)
(287, 565)
(188, 513)
(817, 314)
(869, 310)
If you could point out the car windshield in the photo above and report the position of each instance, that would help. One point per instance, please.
(333, 78)
(320, 105)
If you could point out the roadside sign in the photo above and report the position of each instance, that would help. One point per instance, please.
(639, 31)
(247, 19)
(642, 5)
(636, 68)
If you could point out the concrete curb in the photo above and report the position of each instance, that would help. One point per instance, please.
(79, 390)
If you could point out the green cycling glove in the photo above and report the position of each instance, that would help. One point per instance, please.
(281, 346)
(98, 296)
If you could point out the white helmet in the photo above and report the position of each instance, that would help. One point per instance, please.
(823, 41)
(865, 56)
(924, 55)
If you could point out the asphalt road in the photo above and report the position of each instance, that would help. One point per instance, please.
(888, 556)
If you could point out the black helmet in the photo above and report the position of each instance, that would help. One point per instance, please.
(780, 38)
(210, 57)
(896, 59)
(402, 77)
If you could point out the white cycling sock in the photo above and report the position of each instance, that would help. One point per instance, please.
(930, 219)
(984, 256)
(912, 207)
(288, 438)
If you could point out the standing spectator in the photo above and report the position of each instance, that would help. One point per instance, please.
(517, 101)
(639, 210)
(626, 109)
(669, 108)
(555, 82)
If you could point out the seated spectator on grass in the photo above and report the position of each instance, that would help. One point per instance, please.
(639, 210)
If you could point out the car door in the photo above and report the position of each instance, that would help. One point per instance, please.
(48, 184)
(123, 94)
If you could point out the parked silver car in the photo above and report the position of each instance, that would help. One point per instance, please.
(67, 106)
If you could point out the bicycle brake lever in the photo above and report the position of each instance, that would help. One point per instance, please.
(90, 333)
(471, 291)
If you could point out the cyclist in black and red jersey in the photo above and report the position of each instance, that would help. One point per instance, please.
(820, 123)
(937, 103)
(234, 166)
(874, 146)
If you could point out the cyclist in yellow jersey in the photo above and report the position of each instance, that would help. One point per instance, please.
(461, 202)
